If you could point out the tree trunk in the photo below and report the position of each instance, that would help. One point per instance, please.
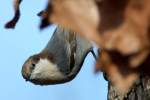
(140, 91)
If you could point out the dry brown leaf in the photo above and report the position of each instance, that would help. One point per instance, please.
(137, 59)
(14, 20)
(117, 71)
(124, 25)
(80, 15)
(123, 28)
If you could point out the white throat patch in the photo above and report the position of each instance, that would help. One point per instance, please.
(45, 69)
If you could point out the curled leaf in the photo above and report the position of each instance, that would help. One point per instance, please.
(119, 28)
(81, 16)
(14, 20)
(117, 70)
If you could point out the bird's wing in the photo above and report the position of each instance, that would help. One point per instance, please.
(70, 51)
(60, 46)
(82, 49)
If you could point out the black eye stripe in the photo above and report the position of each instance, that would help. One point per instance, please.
(33, 65)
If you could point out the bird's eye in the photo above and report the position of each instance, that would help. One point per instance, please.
(32, 66)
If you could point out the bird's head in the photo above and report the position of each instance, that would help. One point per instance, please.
(41, 69)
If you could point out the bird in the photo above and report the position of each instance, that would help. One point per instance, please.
(60, 61)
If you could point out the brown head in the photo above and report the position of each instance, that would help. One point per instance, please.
(41, 69)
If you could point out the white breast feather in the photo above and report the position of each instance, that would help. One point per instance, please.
(46, 69)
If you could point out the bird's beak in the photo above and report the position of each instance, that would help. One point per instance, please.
(26, 73)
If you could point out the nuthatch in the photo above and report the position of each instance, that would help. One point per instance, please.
(60, 61)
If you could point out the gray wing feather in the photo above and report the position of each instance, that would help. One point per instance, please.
(59, 45)
(65, 44)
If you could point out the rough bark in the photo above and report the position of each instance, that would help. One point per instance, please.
(140, 91)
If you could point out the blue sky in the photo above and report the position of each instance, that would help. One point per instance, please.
(25, 40)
